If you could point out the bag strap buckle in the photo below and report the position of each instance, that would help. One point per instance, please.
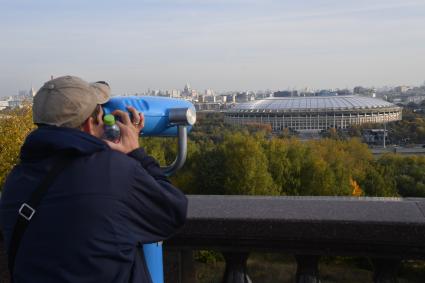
(26, 211)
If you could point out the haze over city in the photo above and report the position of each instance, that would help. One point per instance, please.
(223, 45)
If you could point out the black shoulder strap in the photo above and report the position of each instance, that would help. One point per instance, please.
(28, 209)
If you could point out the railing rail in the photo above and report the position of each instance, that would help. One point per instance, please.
(386, 230)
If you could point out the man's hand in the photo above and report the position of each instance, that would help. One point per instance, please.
(130, 130)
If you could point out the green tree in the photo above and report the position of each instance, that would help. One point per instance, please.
(407, 173)
(318, 178)
(208, 173)
(296, 153)
(335, 171)
(377, 184)
(279, 163)
(245, 166)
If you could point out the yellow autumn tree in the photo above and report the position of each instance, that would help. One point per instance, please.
(357, 191)
(15, 125)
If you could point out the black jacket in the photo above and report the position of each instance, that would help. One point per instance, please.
(99, 210)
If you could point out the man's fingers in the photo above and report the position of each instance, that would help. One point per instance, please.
(129, 139)
(113, 145)
(120, 125)
(138, 118)
(125, 119)
(142, 120)
(141, 123)
(134, 114)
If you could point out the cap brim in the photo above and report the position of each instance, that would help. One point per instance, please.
(103, 92)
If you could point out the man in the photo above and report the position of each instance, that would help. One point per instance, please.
(111, 198)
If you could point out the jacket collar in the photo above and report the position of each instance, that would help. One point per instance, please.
(47, 141)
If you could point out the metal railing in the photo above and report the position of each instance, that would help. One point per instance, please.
(386, 230)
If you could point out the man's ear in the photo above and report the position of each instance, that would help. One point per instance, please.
(99, 117)
(88, 126)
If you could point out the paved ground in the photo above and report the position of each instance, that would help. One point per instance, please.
(415, 150)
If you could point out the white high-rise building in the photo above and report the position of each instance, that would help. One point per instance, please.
(32, 92)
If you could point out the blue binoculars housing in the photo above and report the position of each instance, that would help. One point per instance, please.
(163, 117)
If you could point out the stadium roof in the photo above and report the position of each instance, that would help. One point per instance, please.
(314, 102)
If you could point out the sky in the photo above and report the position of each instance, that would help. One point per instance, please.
(220, 44)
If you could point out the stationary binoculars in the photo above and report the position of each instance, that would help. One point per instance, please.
(164, 117)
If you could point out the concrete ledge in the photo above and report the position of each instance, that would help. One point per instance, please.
(376, 227)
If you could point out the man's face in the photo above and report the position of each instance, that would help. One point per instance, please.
(96, 125)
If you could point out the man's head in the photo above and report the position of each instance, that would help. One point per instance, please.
(70, 102)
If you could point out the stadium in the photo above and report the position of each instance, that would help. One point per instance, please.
(314, 113)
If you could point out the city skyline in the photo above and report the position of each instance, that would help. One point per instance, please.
(222, 45)
(208, 91)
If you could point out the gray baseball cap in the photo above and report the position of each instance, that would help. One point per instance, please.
(68, 101)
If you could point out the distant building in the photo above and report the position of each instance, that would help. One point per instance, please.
(343, 92)
(209, 92)
(402, 89)
(4, 104)
(231, 98)
(23, 94)
(261, 95)
(15, 103)
(209, 106)
(207, 98)
(325, 92)
(175, 93)
(32, 92)
(374, 136)
(416, 99)
(364, 91)
(188, 91)
(11, 102)
(244, 97)
(283, 93)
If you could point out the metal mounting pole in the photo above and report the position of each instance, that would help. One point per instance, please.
(182, 118)
(181, 153)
